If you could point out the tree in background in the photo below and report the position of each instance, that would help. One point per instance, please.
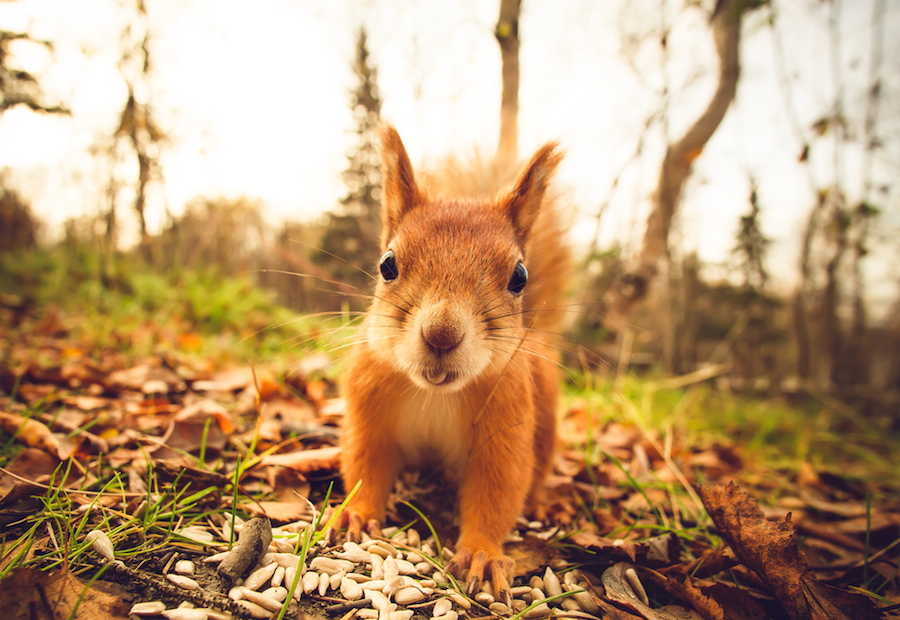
(138, 137)
(349, 247)
(680, 155)
(18, 226)
(507, 33)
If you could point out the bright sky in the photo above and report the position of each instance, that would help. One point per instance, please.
(255, 103)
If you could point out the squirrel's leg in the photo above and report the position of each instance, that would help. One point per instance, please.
(496, 480)
(369, 456)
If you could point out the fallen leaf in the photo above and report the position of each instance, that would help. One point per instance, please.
(619, 589)
(30, 432)
(307, 460)
(281, 512)
(770, 551)
(30, 594)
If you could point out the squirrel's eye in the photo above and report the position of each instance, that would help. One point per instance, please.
(388, 266)
(518, 280)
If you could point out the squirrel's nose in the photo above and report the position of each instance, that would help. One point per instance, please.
(443, 333)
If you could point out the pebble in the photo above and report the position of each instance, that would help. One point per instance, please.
(150, 608)
(183, 582)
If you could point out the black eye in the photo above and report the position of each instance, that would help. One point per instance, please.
(388, 266)
(518, 280)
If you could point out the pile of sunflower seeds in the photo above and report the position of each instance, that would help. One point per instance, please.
(386, 579)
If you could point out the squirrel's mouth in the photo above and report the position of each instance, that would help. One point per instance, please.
(439, 377)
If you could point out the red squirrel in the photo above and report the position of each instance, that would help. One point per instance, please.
(453, 368)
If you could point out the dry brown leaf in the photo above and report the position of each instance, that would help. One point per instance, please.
(619, 590)
(30, 594)
(770, 551)
(281, 512)
(30, 432)
(657, 551)
(307, 460)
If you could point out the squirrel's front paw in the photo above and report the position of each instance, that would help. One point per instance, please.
(356, 523)
(495, 568)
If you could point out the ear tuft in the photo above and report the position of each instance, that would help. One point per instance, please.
(523, 203)
(400, 194)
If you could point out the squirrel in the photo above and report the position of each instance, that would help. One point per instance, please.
(453, 368)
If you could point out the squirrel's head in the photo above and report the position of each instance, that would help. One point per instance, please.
(448, 305)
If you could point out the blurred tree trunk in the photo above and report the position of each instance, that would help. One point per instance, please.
(507, 34)
(632, 288)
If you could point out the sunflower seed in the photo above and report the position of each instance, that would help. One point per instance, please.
(350, 590)
(279, 593)
(310, 582)
(260, 599)
(441, 607)
(150, 608)
(408, 596)
(324, 583)
(260, 576)
(185, 614)
(551, 583)
(484, 598)
(183, 582)
(255, 610)
(184, 567)
(101, 544)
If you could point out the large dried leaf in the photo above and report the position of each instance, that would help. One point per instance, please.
(769, 550)
(29, 594)
(620, 589)
(30, 432)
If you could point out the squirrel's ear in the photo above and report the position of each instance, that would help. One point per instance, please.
(399, 191)
(523, 203)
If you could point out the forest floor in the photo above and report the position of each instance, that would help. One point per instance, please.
(669, 498)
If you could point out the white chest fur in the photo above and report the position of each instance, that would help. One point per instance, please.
(429, 430)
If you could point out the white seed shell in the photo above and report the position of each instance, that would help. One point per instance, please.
(101, 544)
(183, 582)
(150, 608)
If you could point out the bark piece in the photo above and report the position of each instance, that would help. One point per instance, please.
(252, 544)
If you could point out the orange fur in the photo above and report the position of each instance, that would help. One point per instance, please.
(448, 372)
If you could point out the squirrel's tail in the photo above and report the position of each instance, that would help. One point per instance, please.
(548, 254)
